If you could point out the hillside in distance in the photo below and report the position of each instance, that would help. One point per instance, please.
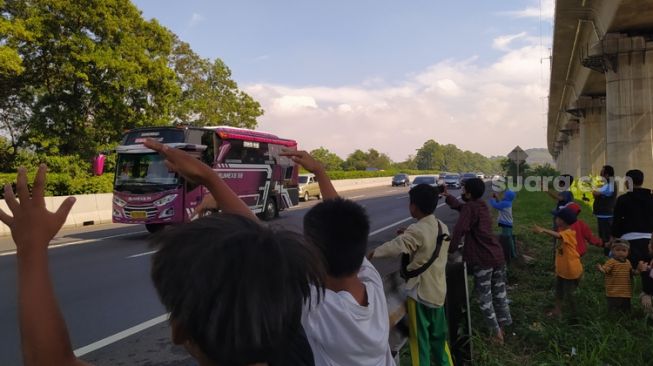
(539, 156)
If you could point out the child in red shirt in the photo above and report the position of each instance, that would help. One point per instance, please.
(583, 232)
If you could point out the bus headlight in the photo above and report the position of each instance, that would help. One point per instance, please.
(165, 200)
(167, 213)
(119, 202)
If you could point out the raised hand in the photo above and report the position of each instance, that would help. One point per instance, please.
(32, 225)
(304, 159)
(181, 162)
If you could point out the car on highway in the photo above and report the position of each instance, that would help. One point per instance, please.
(431, 180)
(466, 176)
(308, 187)
(452, 180)
(400, 179)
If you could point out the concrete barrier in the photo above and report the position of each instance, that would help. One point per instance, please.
(96, 208)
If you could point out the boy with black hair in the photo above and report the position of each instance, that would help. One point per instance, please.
(207, 317)
(350, 325)
(427, 290)
(483, 254)
(568, 267)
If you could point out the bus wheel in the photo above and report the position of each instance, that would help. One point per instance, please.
(306, 197)
(155, 228)
(270, 210)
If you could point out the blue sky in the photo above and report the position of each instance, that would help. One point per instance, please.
(350, 64)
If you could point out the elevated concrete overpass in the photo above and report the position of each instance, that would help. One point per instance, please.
(601, 92)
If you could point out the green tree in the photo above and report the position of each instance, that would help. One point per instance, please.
(378, 160)
(356, 161)
(91, 69)
(330, 160)
(209, 96)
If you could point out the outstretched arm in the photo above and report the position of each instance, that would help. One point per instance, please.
(309, 163)
(44, 336)
(541, 230)
(198, 172)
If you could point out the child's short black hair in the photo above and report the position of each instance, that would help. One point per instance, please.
(424, 197)
(475, 187)
(237, 288)
(636, 176)
(339, 228)
(565, 181)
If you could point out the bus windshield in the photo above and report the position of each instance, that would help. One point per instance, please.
(142, 170)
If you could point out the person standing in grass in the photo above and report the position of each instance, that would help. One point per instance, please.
(618, 277)
(504, 207)
(633, 220)
(605, 198)
(568, 267)
(483, 254)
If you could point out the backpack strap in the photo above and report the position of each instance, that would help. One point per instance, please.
(405, 258)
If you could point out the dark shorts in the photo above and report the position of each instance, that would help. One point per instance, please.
(621, 304)
(565, 287)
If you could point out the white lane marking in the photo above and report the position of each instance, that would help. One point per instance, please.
(353, 198)
(119, 336)
(401, 198)
(389, 226)
(150, 323)
(141, 254)
(54, 246)
(400, 222)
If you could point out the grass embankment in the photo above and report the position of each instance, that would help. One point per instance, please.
(596, 338)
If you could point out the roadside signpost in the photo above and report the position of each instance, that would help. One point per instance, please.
(517, 156)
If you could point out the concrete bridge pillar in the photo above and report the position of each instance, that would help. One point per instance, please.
(592, 117)
(629, 101)
(574, 154)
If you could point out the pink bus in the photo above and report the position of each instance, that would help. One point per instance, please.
(145, 192)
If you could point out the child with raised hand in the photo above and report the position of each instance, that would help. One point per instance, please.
(618, 277)
(425, 245)
(350, 326)
(212, 326)
(568, 267)
(505, 221)
(483, 254)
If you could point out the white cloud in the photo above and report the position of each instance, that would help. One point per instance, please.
(503, 42)
(541, 8)
(195, 19)
(479, 107)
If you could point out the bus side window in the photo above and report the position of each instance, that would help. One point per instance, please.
(236, 151)
(208, 155)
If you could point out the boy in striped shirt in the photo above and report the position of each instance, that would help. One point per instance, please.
(618, 277)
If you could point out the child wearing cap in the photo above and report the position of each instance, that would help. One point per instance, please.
(618, 277)
(583, 232)
(568, 267)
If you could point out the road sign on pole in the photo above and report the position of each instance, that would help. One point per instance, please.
(518, 156)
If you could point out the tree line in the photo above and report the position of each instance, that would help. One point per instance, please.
(431, 156)
(75, 74)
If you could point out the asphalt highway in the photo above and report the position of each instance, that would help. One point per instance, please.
(101, 278)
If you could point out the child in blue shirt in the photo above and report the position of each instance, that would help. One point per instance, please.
(504, 207)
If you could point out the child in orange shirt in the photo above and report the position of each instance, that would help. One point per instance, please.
(618, 277)
(568, 267)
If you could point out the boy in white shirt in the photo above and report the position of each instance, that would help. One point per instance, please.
(350, 325)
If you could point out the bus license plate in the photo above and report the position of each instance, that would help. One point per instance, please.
(139, 215)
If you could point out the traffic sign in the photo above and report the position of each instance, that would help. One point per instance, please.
(517, 155)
